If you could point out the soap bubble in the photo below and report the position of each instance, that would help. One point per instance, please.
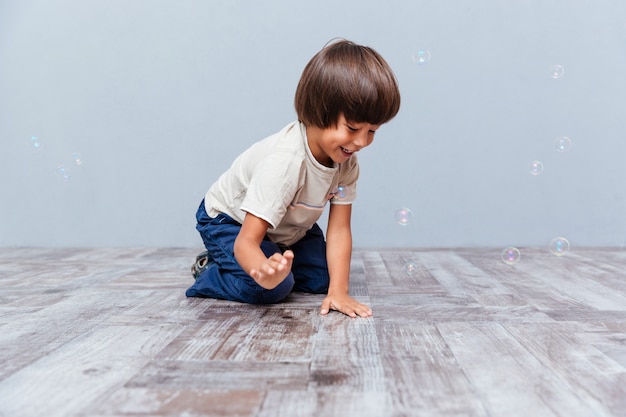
(403, 216)
(535, 168)
(77, 158)
(511, 255)
(557, 71)
(410, 268)
(63, 172)
(341, 192)
(34, 141)
(559, 246)
(421, 56)
(563, 144)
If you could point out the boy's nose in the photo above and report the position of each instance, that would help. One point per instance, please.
(362, 140)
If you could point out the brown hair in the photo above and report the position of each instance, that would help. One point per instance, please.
(347, 78)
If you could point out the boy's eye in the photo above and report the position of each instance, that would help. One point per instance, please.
(352, 129)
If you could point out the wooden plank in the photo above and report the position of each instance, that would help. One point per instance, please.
(457, 276)
(524, 280)
(161, 306)
(584, 314)
(180, 402)
(409, 274)
(505, 378)
(399, 272)
(70, 380)
(588, 374)
(346, 356)
(47, 329)
(249, 333)
(422, 375)
(221, 375)
(606, 336)
(326, 403)
(602, 265)
(358, 283)
(434, 308)
(375, 271)
(559, 273)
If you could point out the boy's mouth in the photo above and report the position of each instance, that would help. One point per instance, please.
(346, 151)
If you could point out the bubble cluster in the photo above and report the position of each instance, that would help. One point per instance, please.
(403, 216)
(511, 255)
(559, 246)
(63, 172)
(535, 168)
(421, 56)
(34, 141)
(563, 144)
(557, 71)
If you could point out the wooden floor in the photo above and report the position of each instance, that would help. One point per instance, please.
(109, 332)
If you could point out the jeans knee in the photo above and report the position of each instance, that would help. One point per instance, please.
(278, 293)
(313, 283)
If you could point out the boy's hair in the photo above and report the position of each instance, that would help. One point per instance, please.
(349, 79)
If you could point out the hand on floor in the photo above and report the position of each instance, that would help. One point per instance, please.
(345, 304)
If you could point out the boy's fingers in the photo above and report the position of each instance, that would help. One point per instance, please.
(364, 311)
(267, 269)
(325, 307)
(286, 257)
(349, 312)
(354, 310)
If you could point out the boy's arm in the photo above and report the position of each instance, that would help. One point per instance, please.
(267, 272)
(338, 254)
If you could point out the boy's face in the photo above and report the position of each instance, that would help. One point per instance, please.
(338, 143)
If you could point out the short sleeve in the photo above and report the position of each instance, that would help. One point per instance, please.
(345, 191)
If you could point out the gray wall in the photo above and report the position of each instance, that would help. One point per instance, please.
(158, 97)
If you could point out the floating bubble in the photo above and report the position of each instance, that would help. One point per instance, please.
(410, 268)
(557, 71)
(559, 246)
(403, 216)
(563, 144)
(421, 56)
(341, 192)
(535, 168)
(34, 141)
(77, 158)
(511, 255)
(63, 172)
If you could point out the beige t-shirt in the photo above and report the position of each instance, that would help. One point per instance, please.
(279, 180)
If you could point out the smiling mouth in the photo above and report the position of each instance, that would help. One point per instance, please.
(344, 150)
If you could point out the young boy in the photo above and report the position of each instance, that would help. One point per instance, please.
(258, 220)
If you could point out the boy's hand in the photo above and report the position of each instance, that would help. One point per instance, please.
(274, 270)
(345, 304)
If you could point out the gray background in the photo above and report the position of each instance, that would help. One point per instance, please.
(158, 97)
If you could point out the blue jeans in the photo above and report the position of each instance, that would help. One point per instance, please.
(225, 279)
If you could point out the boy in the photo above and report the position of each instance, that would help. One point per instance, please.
(258, 220)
